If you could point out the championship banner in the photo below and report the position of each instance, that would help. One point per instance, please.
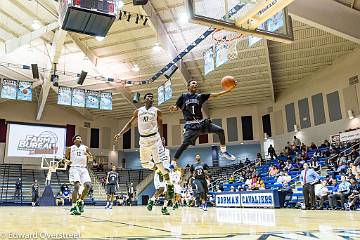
(256, 199)
(350, 136)
(228, 200)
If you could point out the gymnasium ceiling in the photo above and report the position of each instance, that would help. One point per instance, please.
(263, 71)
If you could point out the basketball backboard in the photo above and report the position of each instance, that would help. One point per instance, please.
(267, 19)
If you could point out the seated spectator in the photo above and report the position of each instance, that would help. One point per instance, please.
(247, 161)
(354, 195)
(59, 199)
(322, 193)
(231, 179)
(232, 189)
(317, 154)
(101, 167)
(273, 171)
(342, 168)
(297, 143)
(303, 147)
(313, 146)
(283, 179)
(341, 192)
(94, 165)
(288, 166)
(314, 164)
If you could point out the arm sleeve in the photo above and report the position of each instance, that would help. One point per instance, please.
(179, 102)
(204, 97)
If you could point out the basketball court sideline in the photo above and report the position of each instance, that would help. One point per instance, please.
(184, 223)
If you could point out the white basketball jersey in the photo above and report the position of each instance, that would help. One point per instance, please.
(147, 121)
(175, 176)
(78, 156)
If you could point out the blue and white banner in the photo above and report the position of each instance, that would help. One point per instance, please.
(257, 199)
(228, 200)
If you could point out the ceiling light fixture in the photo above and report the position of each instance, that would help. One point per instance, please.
(157, 47)
(183, 18)
(120, 4)
(36, 25)
(99, 38)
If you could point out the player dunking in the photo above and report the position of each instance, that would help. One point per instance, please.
(78, 155)
(152, 150)
(191, 104)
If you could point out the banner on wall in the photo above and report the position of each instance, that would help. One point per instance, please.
(257, 199)
(345, 136)
(35, 141)
(228, 200)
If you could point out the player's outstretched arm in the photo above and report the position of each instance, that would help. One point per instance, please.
(127, 125)
(212, 95)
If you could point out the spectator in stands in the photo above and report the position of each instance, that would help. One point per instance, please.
(231, 179)
(342, 192)
(59, 199)
(322, 193)
(313, 146)
(317, 154)
(303, 148)
(232, 189)
(18, 186)
(283, 179)
(342, 168)
(296, 142)
(354, 195)
(326, 143)
(314, 164)
(308, 179)
(271, 152)
(288, 166)
(274, 171)
(101, 166)
(247, 161)
(95, 165)
(259, 160)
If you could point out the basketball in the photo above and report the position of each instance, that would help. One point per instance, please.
(228, 82)
(25, 91)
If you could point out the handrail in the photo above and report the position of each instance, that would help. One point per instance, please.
(216, 180)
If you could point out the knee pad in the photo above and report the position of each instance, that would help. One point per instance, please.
(77, 186)
(148, 165)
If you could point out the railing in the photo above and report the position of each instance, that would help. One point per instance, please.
(216, 181)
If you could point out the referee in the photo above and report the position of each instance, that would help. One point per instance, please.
(111, 186)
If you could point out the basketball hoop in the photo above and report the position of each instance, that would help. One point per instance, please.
(230, 40)
(52, 165)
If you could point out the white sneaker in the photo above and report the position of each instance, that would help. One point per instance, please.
(228, 156)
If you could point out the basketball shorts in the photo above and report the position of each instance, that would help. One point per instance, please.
(158, 184)
(79, 174)
(177, 188)
(110, 189)
(35, 196)
(151, 149)
(200, 186)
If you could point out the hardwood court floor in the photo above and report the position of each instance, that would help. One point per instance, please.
(186, 223)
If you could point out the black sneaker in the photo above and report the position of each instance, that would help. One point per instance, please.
(75, 211)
